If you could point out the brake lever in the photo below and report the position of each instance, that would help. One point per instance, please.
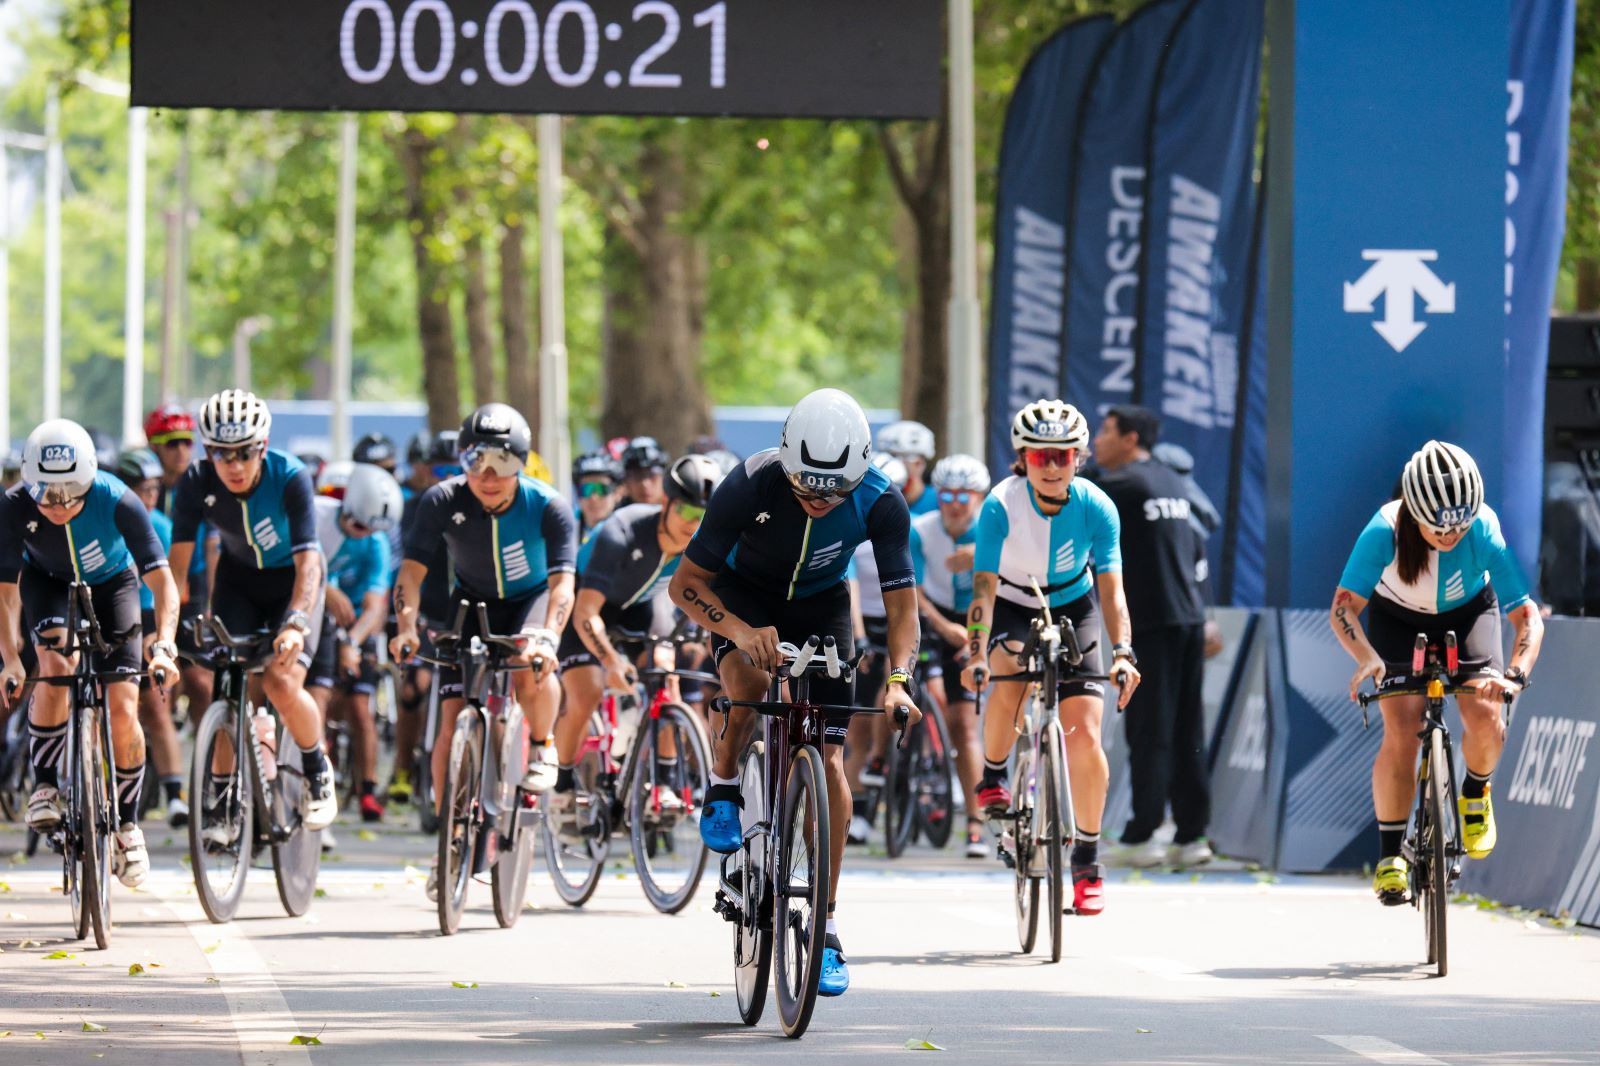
(901, 717)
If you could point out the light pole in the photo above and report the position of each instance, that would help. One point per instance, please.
(965, 313)
(344, 281)
(243, 333)
(53, 168)
(32, 142)
(554, 444)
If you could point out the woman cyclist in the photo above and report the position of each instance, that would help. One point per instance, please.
(1046, 525)
(1430, 561)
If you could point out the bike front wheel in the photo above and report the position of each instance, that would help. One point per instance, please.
(752, 934)
(1050, 832)
(298, 859)
(936, 805)
(458, 822)
(800, 904)
(97, 823)
(222, 824)
(901, 781)
(1026, 887)
(575, 864)
(671, 772)
(1435, 839)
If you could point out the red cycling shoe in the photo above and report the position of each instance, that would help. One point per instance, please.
(1088, 890)
(995, 800)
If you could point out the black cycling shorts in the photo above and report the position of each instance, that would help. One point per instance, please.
(1392, 630)
(247, 600)
(949, 662)
(638, 619)
(506, 617)
(116, 610)
(325, 671)
(1012, 622)
(825, 614)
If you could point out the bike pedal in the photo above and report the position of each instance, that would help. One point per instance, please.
(1007, 858)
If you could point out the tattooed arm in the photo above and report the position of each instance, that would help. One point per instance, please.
(980, 616)
(691, 590)
(1530, 635)
(1345, 618)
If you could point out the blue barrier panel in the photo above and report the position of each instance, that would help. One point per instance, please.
(1247, 772)
(1547, 787)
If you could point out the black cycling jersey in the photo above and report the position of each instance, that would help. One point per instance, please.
(1160, 547)
(262, 530)
(756, 528)
(623, 559)
(94, 547)
(504, 556)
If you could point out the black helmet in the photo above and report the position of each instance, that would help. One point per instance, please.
(12, 463)
(443, 450)
(497, 425)
(643, 453)
(597, 463)
(135, 465)
(420, 448)
(692, 479)
(375, 448)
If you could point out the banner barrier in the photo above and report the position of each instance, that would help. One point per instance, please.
(1247, 764)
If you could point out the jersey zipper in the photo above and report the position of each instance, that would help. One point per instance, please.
(648, 585)
(805, 545)
(499, 578)
(250, 535)
(72, 553)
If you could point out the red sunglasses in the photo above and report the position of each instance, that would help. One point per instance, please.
(1062, 457)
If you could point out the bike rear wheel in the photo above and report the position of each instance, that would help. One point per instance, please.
(1050, 829)
(1026, 889)
(1435, 844)
(458, 822)
(575, 866)
(800, 905)
(900, 784)
(752, 934)
(222, 823)
(664, 808)
(508, 877)
(936, 805)
(97, 821)
(297, 861)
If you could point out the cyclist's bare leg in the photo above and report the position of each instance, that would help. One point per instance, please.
(127, 739)
(1001, 718)
(1087, 768)
(322, 695)
(1483, 732)
(50, 702)
(286, 687)
(358, 715)
(859, 744)
(1394, 771)
(197, 686)
(584, 685)
(448, 709)
(540, 700)
(963, 722)
(839, 810)
(410, 718)
(740, 681)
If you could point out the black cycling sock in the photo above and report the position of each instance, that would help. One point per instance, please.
(565, 779)
(1473, 786)
(1085, 849)
(314, 762)
(172, 788)
(1390, 834)
(725, 792)
(858, 806)
(368, 787)
(130, 784)
(46, 744)
(993, 774)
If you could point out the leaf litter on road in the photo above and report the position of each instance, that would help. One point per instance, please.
(93, 1027)
(463, 984)
(302, 1040)
(923, 1044)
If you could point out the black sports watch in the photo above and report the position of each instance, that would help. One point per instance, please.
(1124, 651)
(164, 647)
(1517, 674)
(297, 620)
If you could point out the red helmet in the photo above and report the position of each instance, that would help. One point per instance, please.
(168, 422)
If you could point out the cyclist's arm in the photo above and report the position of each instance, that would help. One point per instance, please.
(1119, 627)
(1345, 618)
(374, 613)
(307, 581)
(591, 630)
(10, 620)
(691, 591)
(408, 596)
(905, 631)
(163, 585)
(1529, 624)
(980, 615)
(947, 631)
(559, 608)
(858, 621)
(179, 559)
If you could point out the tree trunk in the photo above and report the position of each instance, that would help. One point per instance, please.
(480, 337)
(923, 183)
(435, 326)
(1588, 287)
(522, 370)
(654, 309)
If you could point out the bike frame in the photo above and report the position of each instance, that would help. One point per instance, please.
(232, 683)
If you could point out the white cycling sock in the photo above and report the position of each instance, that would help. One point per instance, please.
(715, 780)
(833, 928)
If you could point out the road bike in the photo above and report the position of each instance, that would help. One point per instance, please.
(1433, 846)
(244, 805)
(774, 889)
(919, 797)
(644, 768)
(487, 821)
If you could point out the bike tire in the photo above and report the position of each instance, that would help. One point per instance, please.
(1437, 887)
(669, 856)
(800, 907)
(297, 861)
(97, 819)
(235, 814)
(936, 802)
(508, 876)
(575, 868)
(1050, 830)
(900, 794)
(752, 933)
(344, 766)
(458, 823)
(1025, 891)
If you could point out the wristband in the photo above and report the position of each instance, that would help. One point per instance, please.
(901, 678)
(978, 627)
(166, 648)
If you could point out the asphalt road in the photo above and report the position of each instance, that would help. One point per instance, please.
(1220, 967)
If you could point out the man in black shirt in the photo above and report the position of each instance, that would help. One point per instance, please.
(1165, 721)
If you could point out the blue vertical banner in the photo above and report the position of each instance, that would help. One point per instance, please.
(1198, 222)
(1106, 219)
(1538, 92)
(1030, 217)
(1387, 222)
(1242, 580)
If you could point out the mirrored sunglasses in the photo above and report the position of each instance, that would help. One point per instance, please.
(485, 459)
(62, 493)
(689, 512)
(961, 496)
(233, 456)
(590, 490)
(1063, 457)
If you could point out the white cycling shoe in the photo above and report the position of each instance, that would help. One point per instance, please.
(130, 860)
(319, 805)
(541, 775)
(44, 809)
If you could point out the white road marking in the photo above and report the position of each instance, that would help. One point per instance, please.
(262, 1021)
(1384, 1051)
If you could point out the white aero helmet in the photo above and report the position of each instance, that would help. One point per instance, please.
(906, 438)
(892, 468)
(372, 498)
(826, 446)
(1442, 487)
(59, 453)
(334, 478)
(958, 472)
(233, 418)
(1049, 424)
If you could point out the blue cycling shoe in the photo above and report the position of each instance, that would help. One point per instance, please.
(835, 970)
(720, 826)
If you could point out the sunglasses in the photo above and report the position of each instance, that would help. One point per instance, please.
(689, 512)
(485, 459)
(592, 490)
(1063, 457)
(174, 442)
(234, 456)
(962, 496)
(62, 495)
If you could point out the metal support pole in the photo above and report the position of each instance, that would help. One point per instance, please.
(5, 300)
(53, 180)
(965, 313)
(344, 273)
(554, 444)
(133, 309)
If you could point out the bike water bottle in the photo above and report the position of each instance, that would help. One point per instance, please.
(629, 713)
(268, 745)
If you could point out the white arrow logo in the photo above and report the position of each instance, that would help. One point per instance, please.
(1399, 276)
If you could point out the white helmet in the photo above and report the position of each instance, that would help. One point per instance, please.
(335, 478)
(961, 472)
(826, 446)
(1442, 487)
(59, 452)
(906, 438)
(1049, 424)
(892, 468)
(234, 417)
(372, 498)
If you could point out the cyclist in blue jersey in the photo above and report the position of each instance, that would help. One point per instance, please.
(70, 521)
(1434, 561)
(269, 572)
(1046, 525)
(768, 565)
(513, 543)
(622, 570)
(353, 532)
(944, 581)
(913, 444)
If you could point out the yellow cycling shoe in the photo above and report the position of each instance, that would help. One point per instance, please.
(1477, 825)
(1392, 882)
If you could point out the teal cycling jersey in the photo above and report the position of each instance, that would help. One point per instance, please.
(1449, 580)
(262, 530)
(356, 565)
(163, 527)
(111, 529)
(931, 547)
(1020, 543)
(927, 503)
